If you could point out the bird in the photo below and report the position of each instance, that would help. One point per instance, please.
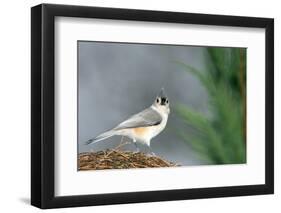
(143, 126)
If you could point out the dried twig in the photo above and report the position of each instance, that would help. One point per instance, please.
(118, 159)
(117, 147)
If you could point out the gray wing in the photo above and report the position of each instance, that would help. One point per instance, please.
(147, 117)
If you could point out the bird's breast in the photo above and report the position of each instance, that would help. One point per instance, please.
(159, 128)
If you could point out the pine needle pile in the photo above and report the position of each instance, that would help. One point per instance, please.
(119, 159)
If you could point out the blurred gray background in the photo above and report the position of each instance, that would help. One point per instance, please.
(117, 80)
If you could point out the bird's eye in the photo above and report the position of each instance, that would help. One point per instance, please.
(167, 101)
(157, 100)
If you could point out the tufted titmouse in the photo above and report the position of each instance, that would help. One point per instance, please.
(143, 126)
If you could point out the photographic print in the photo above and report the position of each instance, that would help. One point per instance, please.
(160, 100)
(158, 105)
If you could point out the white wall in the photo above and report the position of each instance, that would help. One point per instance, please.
(15, 105)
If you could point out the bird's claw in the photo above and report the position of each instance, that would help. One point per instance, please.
(152, 154)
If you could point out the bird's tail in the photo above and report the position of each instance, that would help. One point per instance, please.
(101, 137)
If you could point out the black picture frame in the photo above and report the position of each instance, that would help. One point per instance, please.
(43, 102)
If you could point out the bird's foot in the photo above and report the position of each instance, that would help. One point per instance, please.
(151, 154)
(149, 151)
(137, 150)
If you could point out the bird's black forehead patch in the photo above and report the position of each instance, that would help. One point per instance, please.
(163, 100)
